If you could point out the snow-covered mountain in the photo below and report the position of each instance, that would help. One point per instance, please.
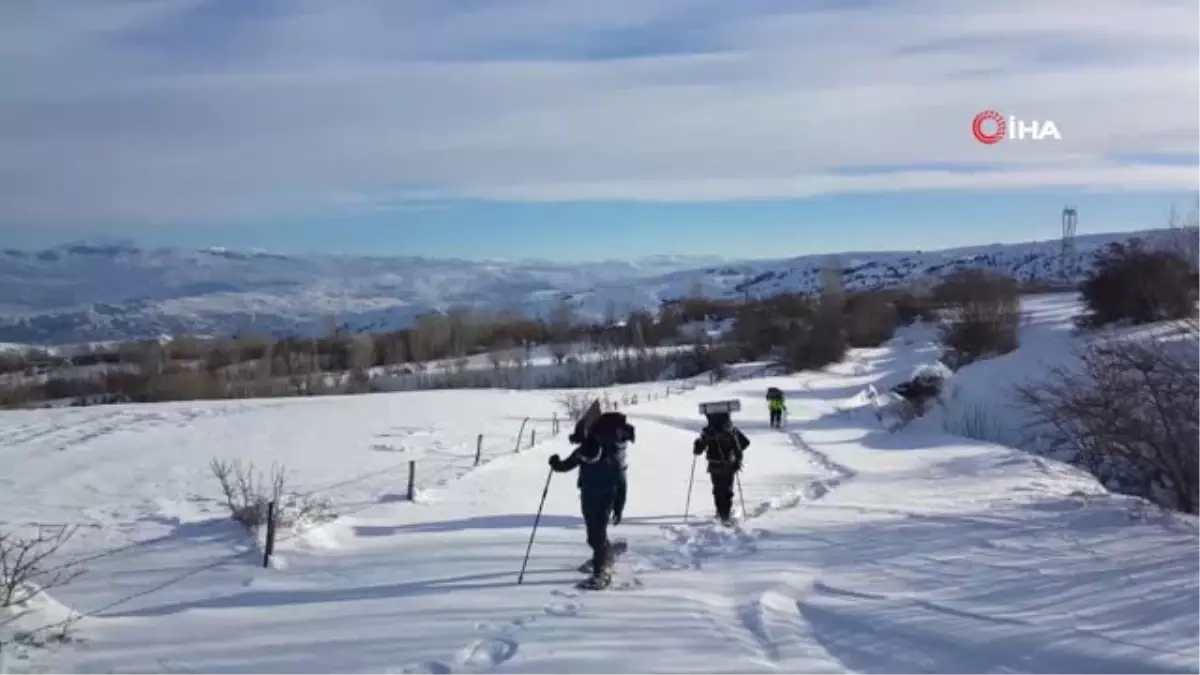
(114, 290)
(87, 292)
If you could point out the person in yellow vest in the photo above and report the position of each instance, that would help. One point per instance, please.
(776, 406)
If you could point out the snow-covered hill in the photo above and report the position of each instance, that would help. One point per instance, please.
(860, 551)
(113, 291)
(83, 292)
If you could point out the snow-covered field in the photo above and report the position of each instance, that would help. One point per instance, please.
(861, 551)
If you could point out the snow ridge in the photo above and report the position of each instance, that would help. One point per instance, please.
(91, 291)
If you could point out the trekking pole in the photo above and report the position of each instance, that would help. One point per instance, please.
(741, 494)
(545, 491)
(687, 505)
(738, 476)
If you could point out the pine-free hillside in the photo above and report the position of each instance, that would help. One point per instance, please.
(463, 348)
(840, 563)
(88, 293)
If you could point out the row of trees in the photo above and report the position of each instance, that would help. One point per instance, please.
(434, 351)
(798, 330)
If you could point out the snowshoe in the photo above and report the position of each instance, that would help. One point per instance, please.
(618, 549)
(596, 582)
(610, 582)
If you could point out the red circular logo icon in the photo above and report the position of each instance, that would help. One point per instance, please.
(990, 138)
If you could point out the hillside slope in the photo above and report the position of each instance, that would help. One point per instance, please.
(861, 551)
(116, 291)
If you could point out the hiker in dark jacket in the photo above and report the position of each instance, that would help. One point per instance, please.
(723, 445)
(600, 458)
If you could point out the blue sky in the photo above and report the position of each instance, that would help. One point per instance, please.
(575, 231)
(574, 129)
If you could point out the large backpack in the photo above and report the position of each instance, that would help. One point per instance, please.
(613, 433)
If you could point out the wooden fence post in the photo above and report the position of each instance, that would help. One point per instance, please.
(269, 549)
(520, 436)
(412, 479)
(478, 448)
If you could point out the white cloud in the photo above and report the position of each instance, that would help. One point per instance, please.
(185, 110)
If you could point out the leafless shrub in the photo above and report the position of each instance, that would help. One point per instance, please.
(721, 372)
(983, 316)
(912, 305)
(25, 574)
(1132, 283)
(248, 494)
(871, 319)
(23, 569)
(575, 404)
(607, 403)
(1183, 237)
(1128, 415)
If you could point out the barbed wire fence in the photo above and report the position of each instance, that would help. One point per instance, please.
(453, 467)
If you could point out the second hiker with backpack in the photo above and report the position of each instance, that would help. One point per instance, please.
(723, 445)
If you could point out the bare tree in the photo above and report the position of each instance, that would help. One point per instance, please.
(23, 569)
(562, 321)
(576, 404)
(394, 350)
(362, 352)
(1184, 236)
(461, 331)
(266, 363)
(498, 357)
(831, 277)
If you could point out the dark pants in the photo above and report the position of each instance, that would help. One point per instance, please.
(619, 497)
(776, 417)
(597, 508)
(722, 487)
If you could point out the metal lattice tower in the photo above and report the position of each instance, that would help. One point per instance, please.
(1070, 219)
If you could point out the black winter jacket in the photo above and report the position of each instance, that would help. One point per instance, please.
(600, 456)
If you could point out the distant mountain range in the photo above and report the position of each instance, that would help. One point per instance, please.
(90, 292)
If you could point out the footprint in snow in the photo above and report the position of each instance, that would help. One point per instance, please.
(486, 653)
(431, 667)
(563, 609)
